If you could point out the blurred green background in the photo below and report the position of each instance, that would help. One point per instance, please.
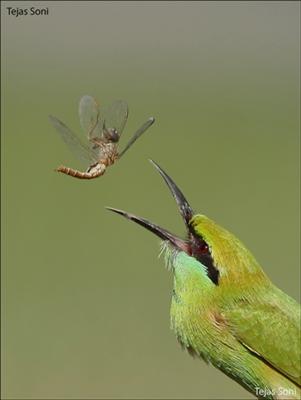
(85, 298)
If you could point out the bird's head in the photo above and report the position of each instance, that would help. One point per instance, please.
(209, 253)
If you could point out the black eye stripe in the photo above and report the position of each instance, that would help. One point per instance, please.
(212, 271)
(201, 251)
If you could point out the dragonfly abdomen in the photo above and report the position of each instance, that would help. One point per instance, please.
(93, 171)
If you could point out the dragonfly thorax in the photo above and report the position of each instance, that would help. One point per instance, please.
(105, 150)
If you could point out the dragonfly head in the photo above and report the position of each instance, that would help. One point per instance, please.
(111, 135)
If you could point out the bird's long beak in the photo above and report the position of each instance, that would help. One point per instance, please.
(184, 208)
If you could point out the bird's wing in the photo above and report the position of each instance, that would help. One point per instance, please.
(270, 329)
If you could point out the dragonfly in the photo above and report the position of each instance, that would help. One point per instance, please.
(103, 128)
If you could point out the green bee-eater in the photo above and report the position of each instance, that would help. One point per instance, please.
(225, 309)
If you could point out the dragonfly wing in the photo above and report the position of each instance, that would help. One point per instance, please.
(137, 134)
(79, 149)
(115, 115)
(89, 116)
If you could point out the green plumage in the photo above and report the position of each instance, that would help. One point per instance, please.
(224, 308)
(244, 326)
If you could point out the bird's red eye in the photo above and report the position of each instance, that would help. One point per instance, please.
(199, 246)
(204, 248)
